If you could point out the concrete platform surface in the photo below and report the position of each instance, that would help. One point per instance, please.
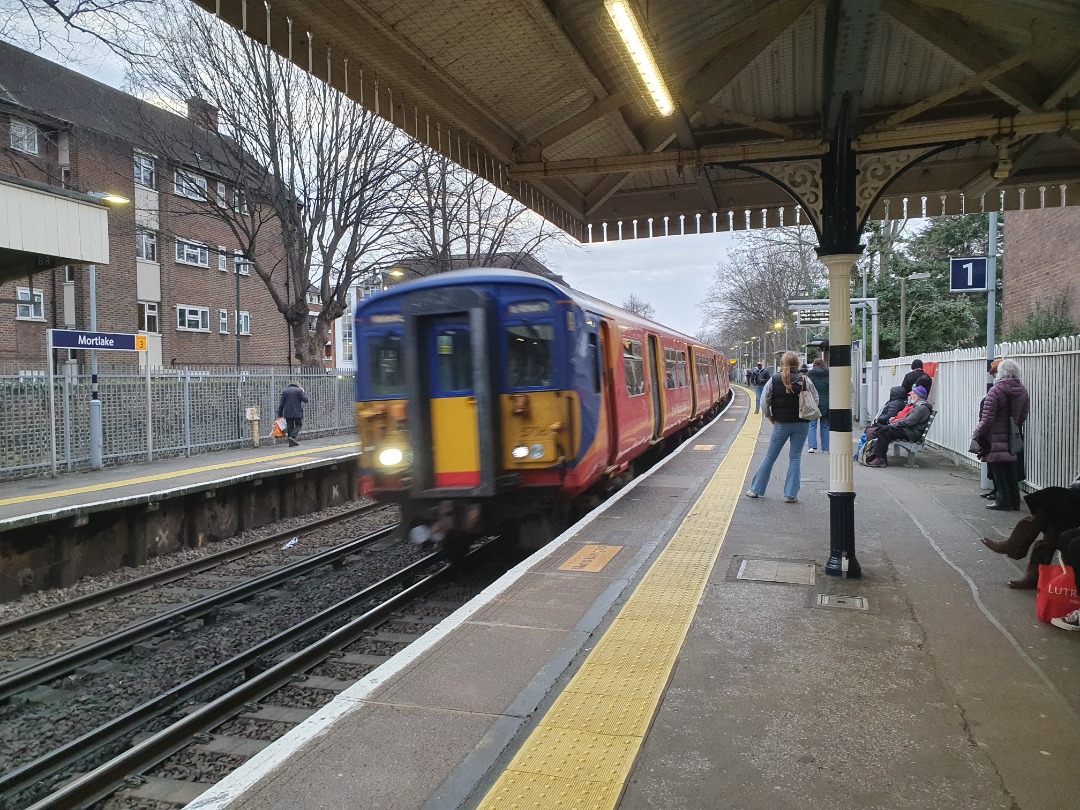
(945, 692)
(37, 500)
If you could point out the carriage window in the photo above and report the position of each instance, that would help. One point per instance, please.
(454, 356)
(634, 366)
(671, 368)
(386, 365)
(529, 355)
(684, 378)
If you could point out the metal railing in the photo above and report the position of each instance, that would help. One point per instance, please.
(1049, 369)
(194, 410)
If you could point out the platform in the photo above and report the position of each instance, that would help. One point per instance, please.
(665, 679)
(55, 530)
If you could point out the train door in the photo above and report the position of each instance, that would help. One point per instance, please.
(694, 369)
(656, 373)
(448, 375)
(607, 365)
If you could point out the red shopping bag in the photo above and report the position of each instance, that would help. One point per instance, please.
(1057, 595)
(279, 428)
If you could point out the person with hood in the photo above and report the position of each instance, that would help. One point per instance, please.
(782, 409)
(761, 377)
(917, 377)
(897, 398)
(291, 407)
(1007, 399)
(819, 376)
(905, 427)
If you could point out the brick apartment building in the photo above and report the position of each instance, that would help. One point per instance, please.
(1042, 263)
(173, 267)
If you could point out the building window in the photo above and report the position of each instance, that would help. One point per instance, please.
(313, 297)
(243, 266)
(312, 322)
(245, 323)
(192, 319)
(30, 305)
(148, 316)
(192, 253)
(223, 321)
(347, 337)
(144, 171)
(220, 195)
(240, 203)
(223, 259)
(146, 245)
(191, 186)
(65, 176)
(69, 273)
(24, 137)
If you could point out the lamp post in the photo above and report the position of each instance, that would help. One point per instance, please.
(903, 307)
(777, 326)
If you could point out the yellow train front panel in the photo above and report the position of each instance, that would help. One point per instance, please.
(455, 440)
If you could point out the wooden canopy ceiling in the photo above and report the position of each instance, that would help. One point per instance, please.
(950, 105)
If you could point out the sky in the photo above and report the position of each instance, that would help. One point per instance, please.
(672, 273)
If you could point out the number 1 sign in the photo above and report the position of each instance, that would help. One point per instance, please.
(967, 275)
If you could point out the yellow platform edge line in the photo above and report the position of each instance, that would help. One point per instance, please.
(44, 496)
(559, 762)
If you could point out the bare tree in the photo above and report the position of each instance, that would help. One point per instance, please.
(317, 181)
(638, 307)
(765, 269)
(457, 218)
(41, 24)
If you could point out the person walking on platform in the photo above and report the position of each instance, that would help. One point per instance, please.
(291, 407)
(1006, 402)
(819, 376)
(761, 377)
(782, 409)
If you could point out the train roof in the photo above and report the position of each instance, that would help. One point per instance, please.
(487, 275)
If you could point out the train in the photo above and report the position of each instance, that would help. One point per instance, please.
(488, 400)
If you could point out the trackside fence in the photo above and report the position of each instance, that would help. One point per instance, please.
(1049, 369)
(193, 410)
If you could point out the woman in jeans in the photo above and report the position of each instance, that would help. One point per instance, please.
(781, 407)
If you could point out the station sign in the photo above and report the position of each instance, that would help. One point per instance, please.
(812, 317)
(968, 274)
(99, 341)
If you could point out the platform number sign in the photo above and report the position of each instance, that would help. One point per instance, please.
(968, 274)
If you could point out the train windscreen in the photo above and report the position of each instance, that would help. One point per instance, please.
(529, 355)
(385, 362)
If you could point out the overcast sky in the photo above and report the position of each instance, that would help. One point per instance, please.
(671, 273)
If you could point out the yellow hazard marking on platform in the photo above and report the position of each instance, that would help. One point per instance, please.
(582, 751)
(591, 558)
(292, 456)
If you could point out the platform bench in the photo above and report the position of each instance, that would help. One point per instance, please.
(913, 446)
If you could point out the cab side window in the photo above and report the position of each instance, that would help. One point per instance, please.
(634, 366)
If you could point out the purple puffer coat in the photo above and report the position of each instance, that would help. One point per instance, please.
(993, 429)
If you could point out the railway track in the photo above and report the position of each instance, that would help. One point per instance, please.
(172, 574)
(362, 612)
(205, 608)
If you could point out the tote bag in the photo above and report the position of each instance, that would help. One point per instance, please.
(808, 409)
(1057, 594)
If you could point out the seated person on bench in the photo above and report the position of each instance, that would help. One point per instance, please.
(907, 427)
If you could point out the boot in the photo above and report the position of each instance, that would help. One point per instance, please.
(1023, 535)
(1041, 554)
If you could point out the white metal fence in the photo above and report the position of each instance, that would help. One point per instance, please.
(1049, 369)
(193, 411)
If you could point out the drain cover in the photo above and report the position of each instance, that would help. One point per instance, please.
(777, 571)
(829, 600)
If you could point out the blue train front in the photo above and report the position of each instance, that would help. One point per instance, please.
(489, 398)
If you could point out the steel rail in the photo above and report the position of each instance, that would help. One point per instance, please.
(91, 600)
(106, 779)
(57, 760)
(61, 664)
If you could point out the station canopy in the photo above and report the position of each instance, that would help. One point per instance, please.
(949, 106)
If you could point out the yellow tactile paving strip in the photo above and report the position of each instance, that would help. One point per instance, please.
(291, 456)
(581, 753)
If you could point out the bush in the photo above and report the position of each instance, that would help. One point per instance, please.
(1042, 322)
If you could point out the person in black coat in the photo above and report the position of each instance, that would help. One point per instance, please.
(917, 377)
(291, 407)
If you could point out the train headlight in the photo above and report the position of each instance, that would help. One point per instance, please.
(521, 452)
(536, 451)
(390, 457)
